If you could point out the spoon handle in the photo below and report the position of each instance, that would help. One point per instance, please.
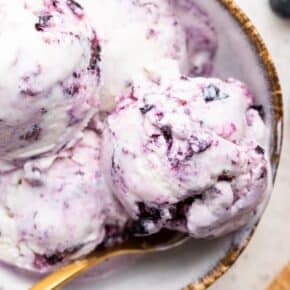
(66, 274)
(282, 281)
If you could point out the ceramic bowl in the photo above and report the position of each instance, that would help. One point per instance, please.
(198, 264)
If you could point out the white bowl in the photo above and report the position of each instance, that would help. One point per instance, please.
(198, 264)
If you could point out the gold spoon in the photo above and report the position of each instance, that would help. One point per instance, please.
(160, 242)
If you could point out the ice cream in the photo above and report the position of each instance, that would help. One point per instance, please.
(57, 209)
(49, 75)
(182, 155)
(108, 131)
(156, 39)
(200, 35)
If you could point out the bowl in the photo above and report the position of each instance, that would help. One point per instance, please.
(242, 54)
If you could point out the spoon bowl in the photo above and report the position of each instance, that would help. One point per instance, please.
(160, 242)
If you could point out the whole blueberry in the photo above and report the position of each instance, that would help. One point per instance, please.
(281, 7)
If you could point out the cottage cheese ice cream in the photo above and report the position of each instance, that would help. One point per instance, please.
(111, 127)
(49, 75)
(150, 40)
(183, 154)
(56, 209)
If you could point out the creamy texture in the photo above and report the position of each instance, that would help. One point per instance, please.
(150, 40)
(186, 143)
(104, 135)
(57, 209)
(49, 75)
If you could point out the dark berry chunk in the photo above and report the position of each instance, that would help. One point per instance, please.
(72, 118)
(73, 90)
(54, 259)
(29, 93)
(213, 93)
(95, 54)
(139, 228)
(197, 145)
(114, 235)
(43, 111)
(43, 22)
(260, 110)
(74, 3)
(226, 176)
(148, 217)
(179, 210)
(281, 7)
(58, 257)
(76, 8)
(33, 134)
(148, 212)
(263, 173)
(147, 108)
(167, 134)
(260, 150)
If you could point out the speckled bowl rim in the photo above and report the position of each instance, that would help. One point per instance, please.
(277, 130)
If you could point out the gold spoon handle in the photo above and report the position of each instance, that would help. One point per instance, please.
(66, 274)
(282, 281)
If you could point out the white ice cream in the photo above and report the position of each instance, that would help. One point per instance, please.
(178, 141)
(57, 209)
(147, 40)
(108, 135)
(49, 75)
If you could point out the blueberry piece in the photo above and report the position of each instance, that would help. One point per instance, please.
(281, 7)
(33, 134)
(167, 134)
(43, 21)
(43, 111)
(197, 145)
(263, 173)
(260, 150)
(95, 54)
(54, 259)
(225, 177)
(75, 8)
(74, 3)
(138, 228)
(213, 93)
(147, 108)
(146, 212)
(114, 235)
(72, 91)
(179, 211)
(260, 110)
(58, 257)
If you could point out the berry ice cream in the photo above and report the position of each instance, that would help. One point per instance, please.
(110, 129)
(156, 41)
(179, 156)
(49, 75)
(57, 209)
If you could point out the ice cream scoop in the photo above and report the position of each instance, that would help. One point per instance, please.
(57, 209)
(49, 75)
(179, 155)
(156, 39)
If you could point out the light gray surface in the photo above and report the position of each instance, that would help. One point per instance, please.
(269, 250)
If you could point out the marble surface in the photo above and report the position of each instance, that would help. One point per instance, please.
(269, 250)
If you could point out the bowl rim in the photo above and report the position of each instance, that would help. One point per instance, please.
(271, 75)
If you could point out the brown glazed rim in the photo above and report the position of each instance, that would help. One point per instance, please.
(277, 132)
